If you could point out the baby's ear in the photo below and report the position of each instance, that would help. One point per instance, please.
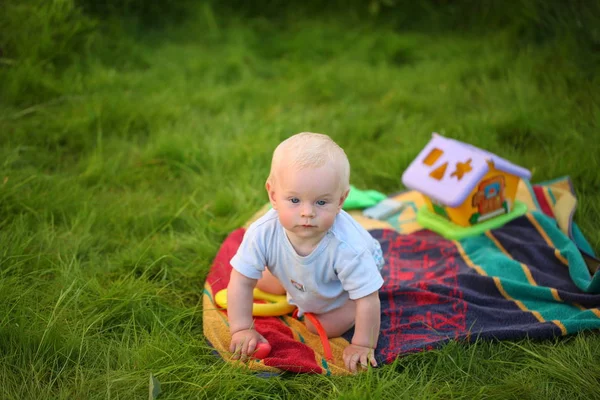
(343, 199)
(271, 193)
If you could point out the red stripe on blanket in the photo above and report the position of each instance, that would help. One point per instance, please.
(421, 301)
(218, 277)
(286, 352)
(541, 198)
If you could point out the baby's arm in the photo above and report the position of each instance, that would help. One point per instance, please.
(366, 333)
(239, 311)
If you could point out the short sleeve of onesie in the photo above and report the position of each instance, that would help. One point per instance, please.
(359, 274)
(250, 258)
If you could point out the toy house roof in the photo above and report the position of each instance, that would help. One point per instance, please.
(447, 170)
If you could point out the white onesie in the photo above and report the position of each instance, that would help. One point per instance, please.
(345, 264)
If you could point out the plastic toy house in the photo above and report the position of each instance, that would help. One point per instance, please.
(467, 190)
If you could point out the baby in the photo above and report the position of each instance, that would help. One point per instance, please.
(312, 250)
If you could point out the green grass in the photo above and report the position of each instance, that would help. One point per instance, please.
(128, 156)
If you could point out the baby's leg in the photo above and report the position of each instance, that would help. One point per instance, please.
(268, 283)
(335, 322)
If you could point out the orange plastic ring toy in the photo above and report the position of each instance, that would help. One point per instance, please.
(277, 304)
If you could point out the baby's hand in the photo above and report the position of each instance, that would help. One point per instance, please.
(244, 342)
(354, 355)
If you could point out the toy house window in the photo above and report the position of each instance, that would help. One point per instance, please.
(432, 157)
(462, 168)
(439, 172)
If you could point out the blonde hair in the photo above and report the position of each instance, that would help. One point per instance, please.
(311, 150)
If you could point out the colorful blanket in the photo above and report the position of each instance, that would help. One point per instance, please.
(533, 277)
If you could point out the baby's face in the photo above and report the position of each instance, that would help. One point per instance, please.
(307, 201)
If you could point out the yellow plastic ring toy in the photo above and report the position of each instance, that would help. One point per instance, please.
(278, 304)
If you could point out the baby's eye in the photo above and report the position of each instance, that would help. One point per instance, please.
(295, 200)
(321, 202)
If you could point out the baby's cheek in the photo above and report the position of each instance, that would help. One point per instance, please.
(328, 218)
(286, 218)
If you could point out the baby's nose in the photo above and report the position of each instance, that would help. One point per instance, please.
(307, 210)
